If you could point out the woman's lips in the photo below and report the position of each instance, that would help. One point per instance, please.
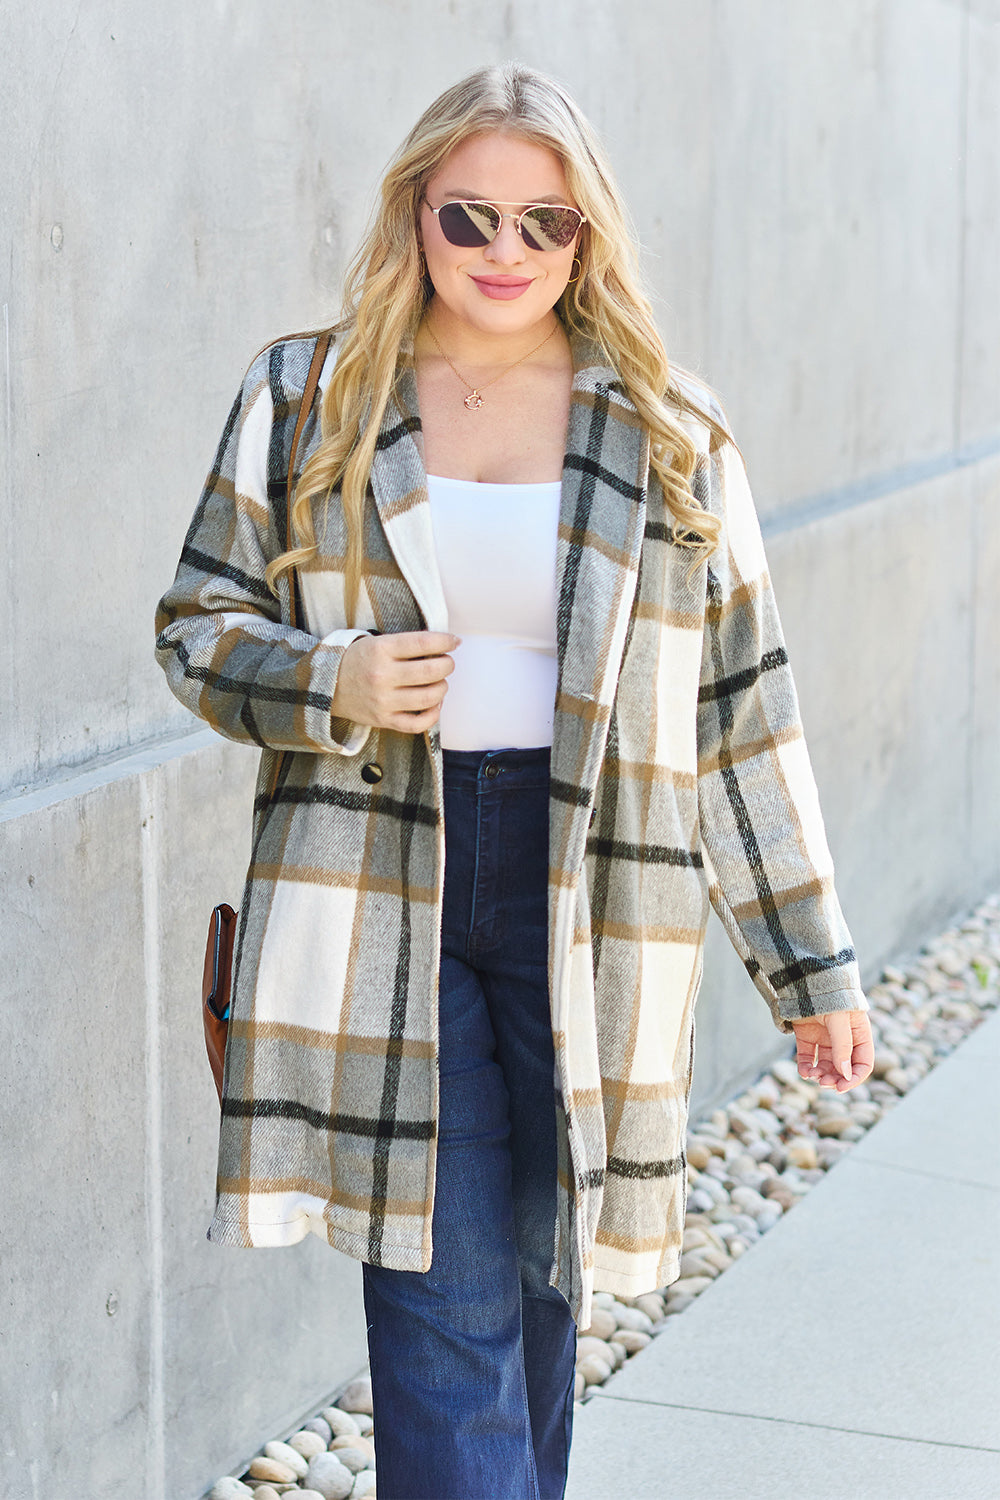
(503, 288)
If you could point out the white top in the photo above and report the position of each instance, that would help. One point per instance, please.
(496, 553)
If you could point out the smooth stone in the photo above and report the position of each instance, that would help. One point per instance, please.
(760, 1151)
(690, 1285)
(358, 1396)
(832, 1125)
(651, 1303)
(309, 1495)
(267, 1492)
(341, 1423)
(899, 1078)
(284, 1453)
(579, 1386)
(831, 1151)
(365, 1424)
(633, 1317)
(308, 1443)
(698, 1155)
(769, 1216)
(885, 1061)
(354, 1459)
(697, 1236)
(273, 1468)
(699, 1200)
(357, 1443)
(587, 1344)
(632, 1340)
(618, 1352)
(330, 1477)
(602, 1324)
(604, 1299)
(748, 1200)
(321, 1427)
(678, 1304)
(229, 1489)
(594, 1371)
(853, 1133)
(695, 1263)
(801, 1153)
(786, 1071)
(364, 1486)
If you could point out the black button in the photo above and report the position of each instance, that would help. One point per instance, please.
(371, 772)
(493, 769)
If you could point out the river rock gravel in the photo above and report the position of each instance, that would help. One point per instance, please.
(749, 1163)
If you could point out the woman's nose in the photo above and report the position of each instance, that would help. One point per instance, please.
(508, 247)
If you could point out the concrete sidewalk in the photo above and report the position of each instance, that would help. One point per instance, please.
(854, 1353)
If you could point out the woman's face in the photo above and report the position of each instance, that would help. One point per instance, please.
(503, 287)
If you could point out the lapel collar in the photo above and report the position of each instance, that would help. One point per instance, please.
(399, 482)
(601, 523)
(602, 519)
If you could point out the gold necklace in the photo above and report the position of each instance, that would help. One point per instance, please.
(474, 400)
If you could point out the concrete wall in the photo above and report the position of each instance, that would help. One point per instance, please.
(816, 187)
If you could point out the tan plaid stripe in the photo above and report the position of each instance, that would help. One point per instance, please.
(679, 778)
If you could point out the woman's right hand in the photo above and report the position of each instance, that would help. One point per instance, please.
(395, 681)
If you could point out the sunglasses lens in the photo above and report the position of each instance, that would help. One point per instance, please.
(549, 228)
(470, 225)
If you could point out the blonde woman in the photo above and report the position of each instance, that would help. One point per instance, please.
(524, 711)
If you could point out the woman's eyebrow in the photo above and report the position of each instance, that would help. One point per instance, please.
(471, 196)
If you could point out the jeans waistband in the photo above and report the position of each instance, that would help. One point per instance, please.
(495, 770)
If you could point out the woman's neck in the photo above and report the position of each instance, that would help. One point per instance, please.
(475, 349)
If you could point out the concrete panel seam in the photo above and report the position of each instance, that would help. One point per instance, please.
(877, 487)
(963, 210)
(151, 797)
(895, 1166)
(119, 768)
(755, 1416)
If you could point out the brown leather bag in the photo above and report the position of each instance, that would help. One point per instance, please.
(217, 978)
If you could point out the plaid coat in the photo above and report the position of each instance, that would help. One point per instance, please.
(679, 778)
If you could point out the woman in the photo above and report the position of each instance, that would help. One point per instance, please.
(534, 716)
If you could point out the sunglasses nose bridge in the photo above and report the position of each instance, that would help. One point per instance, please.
(513, 237)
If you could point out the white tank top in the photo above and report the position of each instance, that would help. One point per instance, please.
(496, 553)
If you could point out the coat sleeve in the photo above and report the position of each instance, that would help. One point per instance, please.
(222, 641)
(770, 872)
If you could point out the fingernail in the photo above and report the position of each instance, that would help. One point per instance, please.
(845, 1068)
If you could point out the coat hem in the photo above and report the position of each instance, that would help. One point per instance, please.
(271, 1234)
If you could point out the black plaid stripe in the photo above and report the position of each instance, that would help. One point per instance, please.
(348, 1114)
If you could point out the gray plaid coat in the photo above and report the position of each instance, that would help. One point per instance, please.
(680, 778)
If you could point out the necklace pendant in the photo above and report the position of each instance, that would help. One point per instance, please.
(473, 400)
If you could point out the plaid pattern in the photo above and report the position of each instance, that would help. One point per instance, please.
(680, 778)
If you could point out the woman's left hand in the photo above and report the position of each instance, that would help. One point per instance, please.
(846, 1048)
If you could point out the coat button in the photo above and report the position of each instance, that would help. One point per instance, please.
(371, 772)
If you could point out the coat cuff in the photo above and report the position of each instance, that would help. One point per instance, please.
(346, 737)
(790, 1009)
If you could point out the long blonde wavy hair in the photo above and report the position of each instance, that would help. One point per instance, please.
(386, 294)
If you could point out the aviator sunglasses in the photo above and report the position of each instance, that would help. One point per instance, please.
(472, 223)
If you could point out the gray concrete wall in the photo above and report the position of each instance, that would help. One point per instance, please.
(816, 188)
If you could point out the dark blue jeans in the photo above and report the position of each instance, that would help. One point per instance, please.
(472, 1361)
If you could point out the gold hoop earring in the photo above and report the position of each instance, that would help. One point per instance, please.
(576, 262)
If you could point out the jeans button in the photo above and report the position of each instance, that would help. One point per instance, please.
(493, 769)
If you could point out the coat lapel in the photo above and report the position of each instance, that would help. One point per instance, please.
(601, 522)
(399, 482)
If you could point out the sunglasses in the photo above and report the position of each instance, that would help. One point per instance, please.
(472, 223)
